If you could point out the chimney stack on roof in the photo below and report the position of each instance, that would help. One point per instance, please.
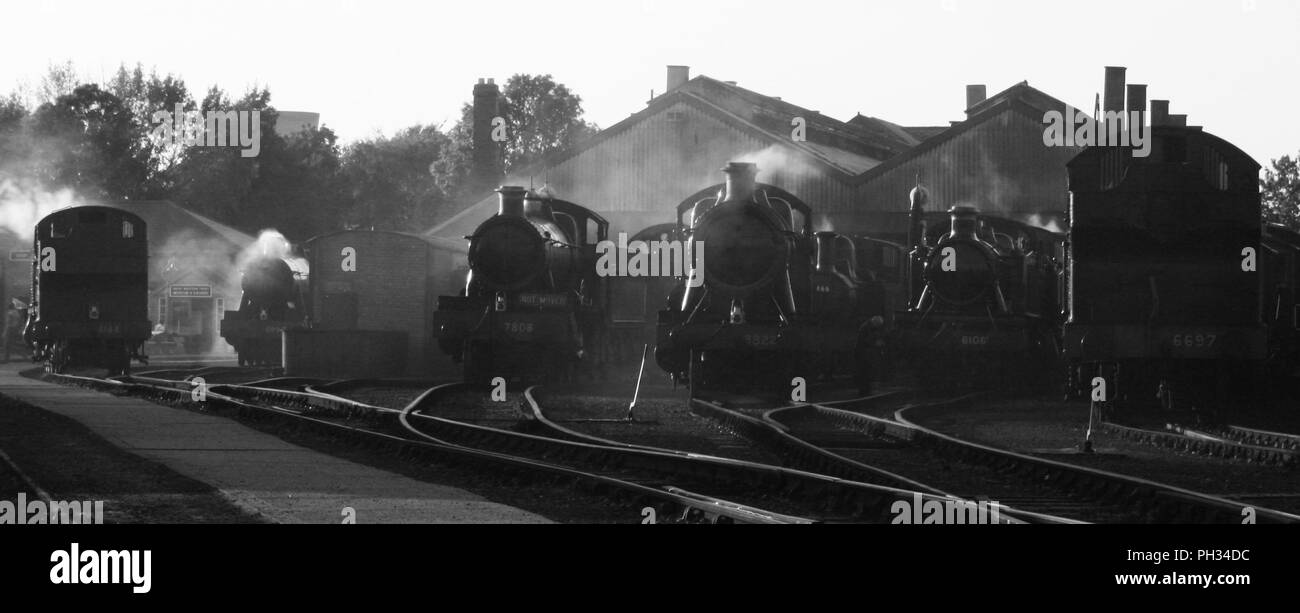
(975, 94)
(1159, 113)
(487, 167)
(677, 77)
(1137, 102)
(1112, 99)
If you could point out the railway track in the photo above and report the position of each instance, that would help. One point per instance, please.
(699, 436)
(374, 426)
(853, 445)
(672, 482)
(1233, 443)
(1261, 438)
(792, 491)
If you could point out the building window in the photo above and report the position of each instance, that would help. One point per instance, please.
(221, 309)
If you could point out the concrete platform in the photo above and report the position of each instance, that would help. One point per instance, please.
(264, 474)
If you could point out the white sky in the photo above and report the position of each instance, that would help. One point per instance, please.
(1232, 65)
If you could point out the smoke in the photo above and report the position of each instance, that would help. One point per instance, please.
(271, 243)
(1048, 223)
(22, 205)
(774, 163)
(187, 258)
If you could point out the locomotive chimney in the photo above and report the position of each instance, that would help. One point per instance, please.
(486, 164)
(677, 77)
(512, 200)
(965, 221)
(740, 181)
(975, 94)
(1137, 103)
(1113, 96)
(826, 251)
(1159, 113)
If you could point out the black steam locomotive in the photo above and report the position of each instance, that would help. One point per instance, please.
(532, 303)
(90, 288)
(272, 301)
(770, 301)
(1280, 262)
(1164, 262)
(983, 299)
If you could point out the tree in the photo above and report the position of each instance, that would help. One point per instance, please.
(1280, 192)
(218, 182)
(542, 117)
(93, 145)
(12, 123)
(143, 97)
(393, 181)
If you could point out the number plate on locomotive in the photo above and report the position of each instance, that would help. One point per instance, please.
(1194, 340)
(108, 328)
(518, 328)
(547, 301)
(760, 340)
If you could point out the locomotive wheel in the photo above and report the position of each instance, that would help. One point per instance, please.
(117, 358)
(57, 362)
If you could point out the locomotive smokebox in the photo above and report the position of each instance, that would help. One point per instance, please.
(512, 200)
(741, 181)
(965, 221)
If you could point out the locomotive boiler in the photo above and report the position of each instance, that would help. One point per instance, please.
(533, 304)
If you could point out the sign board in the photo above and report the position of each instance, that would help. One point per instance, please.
(21, 256)
(190, 291)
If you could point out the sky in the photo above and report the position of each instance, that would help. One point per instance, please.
(1233, 66)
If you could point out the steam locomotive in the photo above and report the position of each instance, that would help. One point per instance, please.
(533, 303)
(1165, 290)
(1280, 262)
(90, 284)
(771, 299)
(272, 301)
(983, 301)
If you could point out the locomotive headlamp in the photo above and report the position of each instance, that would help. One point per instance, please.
(737, 312)
(94, 311)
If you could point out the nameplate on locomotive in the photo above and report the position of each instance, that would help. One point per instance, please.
(545, 301)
